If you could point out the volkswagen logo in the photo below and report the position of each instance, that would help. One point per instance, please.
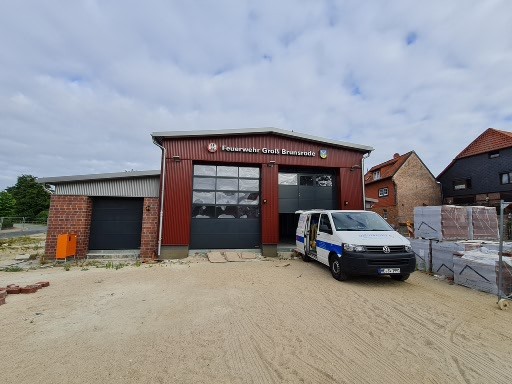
(386, 249)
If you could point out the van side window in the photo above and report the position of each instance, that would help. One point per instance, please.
(325, 224)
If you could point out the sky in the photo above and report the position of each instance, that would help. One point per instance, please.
(84, 83)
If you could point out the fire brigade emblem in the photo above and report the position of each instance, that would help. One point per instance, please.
(323, 153)
(212, 147)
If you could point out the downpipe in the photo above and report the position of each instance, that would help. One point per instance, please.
(162, 194)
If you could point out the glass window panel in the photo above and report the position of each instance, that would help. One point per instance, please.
(203, 197)
(248, 212)
(249, 185)
(204, 183)
(505, 178)
(227, 212)
(249, 172)
(306, 180)
(288, 178)
(249, 198)
(227, 184)
(204, 170)
(203, 211)
(227, 171)
(324, 180)
(227, 197)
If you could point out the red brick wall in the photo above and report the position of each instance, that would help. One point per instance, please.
(149, 238)
(69, 214)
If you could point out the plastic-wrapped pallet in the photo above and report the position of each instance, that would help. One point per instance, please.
(441, 222)
(494, 247)
(476, 270)
(470, 245)
(483, 223)
(421, 249)
(442, 256)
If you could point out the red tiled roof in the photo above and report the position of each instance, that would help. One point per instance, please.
(491, 140)
(388, 168)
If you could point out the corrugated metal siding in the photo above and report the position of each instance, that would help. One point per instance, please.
(136, 187)
(197, 150)
(177, 203)
(270, 209)
(351, 189)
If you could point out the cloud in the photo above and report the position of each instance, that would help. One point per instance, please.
(83, 84)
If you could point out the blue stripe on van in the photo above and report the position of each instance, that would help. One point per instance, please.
(300, 239)
(329, 247)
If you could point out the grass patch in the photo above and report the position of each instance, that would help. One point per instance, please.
(13, 268)
(20, 241)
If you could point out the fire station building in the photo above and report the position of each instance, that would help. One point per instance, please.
(229, 189)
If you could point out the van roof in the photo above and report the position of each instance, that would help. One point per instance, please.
(329, 210)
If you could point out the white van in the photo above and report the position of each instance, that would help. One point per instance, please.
(354, 243)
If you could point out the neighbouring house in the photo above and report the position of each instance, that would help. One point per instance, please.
(400, 184)
(482, 173)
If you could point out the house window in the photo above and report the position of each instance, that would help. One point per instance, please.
(383, 192)
(376, 175)
(461, 184)
(494, 154)
(506, 178)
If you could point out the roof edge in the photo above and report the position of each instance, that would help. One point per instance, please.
(159, 136)
(97, 176)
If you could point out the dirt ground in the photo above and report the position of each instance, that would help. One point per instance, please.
(249, 322)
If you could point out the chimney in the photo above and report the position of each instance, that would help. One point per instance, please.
(396, 156)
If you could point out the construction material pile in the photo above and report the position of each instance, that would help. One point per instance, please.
(461, 243)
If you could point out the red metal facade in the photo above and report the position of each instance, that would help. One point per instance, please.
(183, 152)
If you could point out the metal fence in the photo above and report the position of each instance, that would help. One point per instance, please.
(504, 267)
(9, 222)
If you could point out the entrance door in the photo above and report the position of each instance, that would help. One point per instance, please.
(116, 223)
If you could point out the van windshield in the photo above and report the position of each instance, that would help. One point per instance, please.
(359, 221)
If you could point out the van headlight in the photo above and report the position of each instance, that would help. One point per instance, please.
(408, 248)
(354, 248)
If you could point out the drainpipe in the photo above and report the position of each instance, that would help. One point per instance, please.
(365, 156)
(162, 191)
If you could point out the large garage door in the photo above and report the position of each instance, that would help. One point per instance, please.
(306, 191)
(226, 207)
(116, 223)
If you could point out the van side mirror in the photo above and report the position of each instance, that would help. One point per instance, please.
(325, 228)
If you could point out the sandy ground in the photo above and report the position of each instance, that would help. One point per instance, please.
(249, 322)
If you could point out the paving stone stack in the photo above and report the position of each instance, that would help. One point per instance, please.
(442, 222)
(483, 223)
(421, 249)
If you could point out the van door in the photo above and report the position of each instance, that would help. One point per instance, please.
(325, 239)
(301, 233)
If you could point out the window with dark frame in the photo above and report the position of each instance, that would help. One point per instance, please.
(461, 184)
(494, 154)
(225, 192)
(383, 192)
(506, 178)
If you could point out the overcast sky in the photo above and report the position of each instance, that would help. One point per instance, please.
(84, 83)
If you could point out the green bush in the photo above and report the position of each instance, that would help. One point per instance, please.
(7, 223)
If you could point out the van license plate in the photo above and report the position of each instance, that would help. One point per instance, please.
(386, 271)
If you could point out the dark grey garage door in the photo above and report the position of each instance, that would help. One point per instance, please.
(300, 190)
(116, 223)
(225, 207)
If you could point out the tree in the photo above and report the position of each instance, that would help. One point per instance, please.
(31, 197)
(7, 204)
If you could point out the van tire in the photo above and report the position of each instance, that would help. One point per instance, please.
(403, 277)
(335, 267)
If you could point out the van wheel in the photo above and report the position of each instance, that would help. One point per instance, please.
(336, 271)
(403, 277)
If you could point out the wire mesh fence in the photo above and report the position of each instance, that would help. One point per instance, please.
(10, 222)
